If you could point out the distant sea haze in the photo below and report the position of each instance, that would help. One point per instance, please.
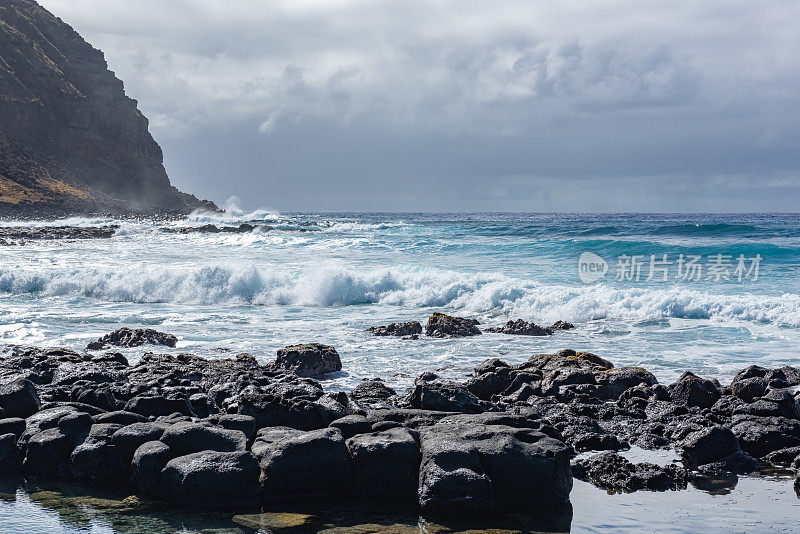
(329, 277)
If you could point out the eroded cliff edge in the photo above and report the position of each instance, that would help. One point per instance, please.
(71, 140)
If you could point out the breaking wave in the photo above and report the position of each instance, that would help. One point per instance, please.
(485, 295)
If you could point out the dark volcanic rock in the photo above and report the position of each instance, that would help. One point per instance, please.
(691, 390)
(739, 463)
(96, 459)
(501, 440)
(127, 337)
(612, 472)
(441, 325)
(397, 329)
(211, 229)
(372, 391)
(19, 399)
(242, 423)
(70, 139)
(473, 468)
(445, 398)
(302, 464)
(47, 454)
(120, 417)
(187, 438)
(759, 436)
(708, 445)
(300, 406)
(12, 425)
(211, 479)
(131, 437)
(158, 406)
(620, 379)
(750, 388)
(385, 464)
(10, 456)
(309, 360)
(350, 425)
(146, 466)
(37, 233)
(784, 456)
(524, 328)
(521, 328)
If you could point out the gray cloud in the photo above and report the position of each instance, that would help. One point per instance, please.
(518, 105)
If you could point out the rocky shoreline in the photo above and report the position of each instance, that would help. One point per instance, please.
(19, 235)
(236, 434)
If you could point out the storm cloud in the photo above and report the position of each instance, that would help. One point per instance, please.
(617, 105)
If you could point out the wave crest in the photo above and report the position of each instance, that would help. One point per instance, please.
(486, 295)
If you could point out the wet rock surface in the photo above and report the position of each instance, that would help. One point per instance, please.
(19, 234)
(412, 328)
(524, 328)
(612, 472)
(214, 229)
(308, 360)
(444, 326)
(127, 337)
(235, 433)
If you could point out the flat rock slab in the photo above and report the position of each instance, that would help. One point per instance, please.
(269, 521)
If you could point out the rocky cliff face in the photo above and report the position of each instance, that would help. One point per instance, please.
(71, 141)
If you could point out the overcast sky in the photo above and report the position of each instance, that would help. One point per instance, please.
(473, 105)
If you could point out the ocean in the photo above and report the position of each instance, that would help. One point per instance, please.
(328, 277)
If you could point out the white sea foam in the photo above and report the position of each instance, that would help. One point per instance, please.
(486, 295)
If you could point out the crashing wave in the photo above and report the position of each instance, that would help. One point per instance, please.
(488, 294)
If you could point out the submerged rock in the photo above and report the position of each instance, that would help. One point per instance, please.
(127, 337)
(308, 360)
(441, 325)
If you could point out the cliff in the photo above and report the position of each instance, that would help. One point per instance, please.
(71, 141)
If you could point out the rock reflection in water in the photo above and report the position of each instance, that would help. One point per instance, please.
(70, 509)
